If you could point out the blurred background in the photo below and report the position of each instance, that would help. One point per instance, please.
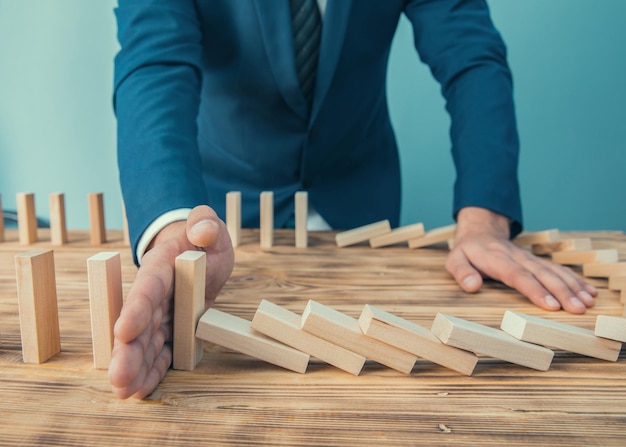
(57, 128)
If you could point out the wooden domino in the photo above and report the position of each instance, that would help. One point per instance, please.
(343, 330)
(481, 339)
(236, 333)
(267, 219)
(58, 227)
(38, 308)
(104, 273)
(189, 286)
(547, 248)
(301, 209)
(125, 231)
(403, 334)
(362, 234)
(617, 282)
(613, 328)
(233, 216)
(434, 236)
(285, 326)
(1, 221)
(622, 298)
(577, 257)
(397, 235)
(604, 269)
(558, 335)
(537, 237)
(26, 218)
(97, 231)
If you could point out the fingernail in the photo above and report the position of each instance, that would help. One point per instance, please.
(551, 302)
(202, 227)
(575, 302)
(591, 289)
(585, 297)
(470, 281)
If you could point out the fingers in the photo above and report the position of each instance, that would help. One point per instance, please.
(463, 272)
(203, 226)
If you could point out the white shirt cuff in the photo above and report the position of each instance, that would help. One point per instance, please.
(157, 225)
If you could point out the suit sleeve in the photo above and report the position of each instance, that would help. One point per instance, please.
(466, 55)
(156, 97)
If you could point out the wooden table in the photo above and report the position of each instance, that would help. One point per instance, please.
(233, 399)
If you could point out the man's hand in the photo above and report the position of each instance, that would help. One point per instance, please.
(141, 354)
(482, 249)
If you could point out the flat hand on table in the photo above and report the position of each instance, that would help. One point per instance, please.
(141, 355)
(482, 249)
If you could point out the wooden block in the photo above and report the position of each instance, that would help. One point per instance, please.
(407, 336)
(622, 298)
(617, 282)
(37, 298)
(26, 218)
(267, 219)
(96, 218)
(548, 248)
(58, 228)
(301, 206)
(584, 257)
(362, 234)
(613, 328)
(189, 288)
(559, 336)
(604, 269)
(285, 326)
(233, 216)
(343, 330)
(237, 334)
(1, 221)
(397, 235)
(104, 272)
(125, 225)
(489, 341)
(434, 236)
(537, 237)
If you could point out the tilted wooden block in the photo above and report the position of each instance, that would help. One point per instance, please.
(237, 334)
(475, 337)
(558, 335)
(26, 218)
(301, 206)
(104, 271)
(37, 298)
(343, 330)
(285, 326)
(537, 237)
(189, 287)
(584, 257)
(548, 248)
(267, 219)
(434, 236)
(97, 230)
(361, 234)
(397, 235)
(613, 328)
(604, 269)
(233, 216)
(407, 336)
(617, 282)
(58, 228)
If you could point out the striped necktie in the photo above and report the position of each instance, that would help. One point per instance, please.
(307, 31)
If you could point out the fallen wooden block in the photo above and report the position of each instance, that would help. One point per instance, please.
(285, 326)
(233, 216)
(585, 257)
(617, 282)
(434, 236)
(613, 328)
(361, 234)
(537, 237)
(26, 218)
(237, 334)
(301, 209)
(407, 336)
(97, 230)
(397, 235)
(475, 337)
(547, 248)
(343, 330)
(58, 228)
(559, 336)
(604, 269)
(267, 219)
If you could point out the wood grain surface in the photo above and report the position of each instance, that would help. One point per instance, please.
(232, 399)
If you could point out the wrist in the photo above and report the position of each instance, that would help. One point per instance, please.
(471, 220)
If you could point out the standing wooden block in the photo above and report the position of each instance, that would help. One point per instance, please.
(361, 234)
(584, 257)
(37, 298)
(26, 218)
(58, 229)
(104, 272)
(189, 287)
(96, 218)
(492, 342)
(283, 325)
(237, 334)
(233, 216)
(613, 328)
(397, 235)
(537, 237)
(1, 221)
(343, 330)
(301, 207)
(604, 269)
(267, 219)
(434, 236)
(617, 282)
(548, 248)
(125, 225)
(407, 336)
(559, 335)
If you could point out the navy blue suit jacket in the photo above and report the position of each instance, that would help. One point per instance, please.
(207, 101)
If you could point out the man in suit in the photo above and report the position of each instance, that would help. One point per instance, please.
(211, 97)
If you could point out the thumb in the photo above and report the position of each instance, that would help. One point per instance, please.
(463, 272)
(203, 226)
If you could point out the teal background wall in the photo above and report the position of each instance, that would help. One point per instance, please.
(57, 129)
